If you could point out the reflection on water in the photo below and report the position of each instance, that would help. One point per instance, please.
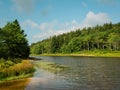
(14, 85)
(86, 73)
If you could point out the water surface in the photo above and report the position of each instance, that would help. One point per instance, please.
(85, 73)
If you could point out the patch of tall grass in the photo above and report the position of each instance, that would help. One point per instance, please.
(10, 69)
(52, 67)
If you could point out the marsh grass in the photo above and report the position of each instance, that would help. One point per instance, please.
(52, 67)
(10, 70)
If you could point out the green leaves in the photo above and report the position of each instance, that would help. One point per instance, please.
(13, 41)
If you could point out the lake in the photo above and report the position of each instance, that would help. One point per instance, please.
(85, 73)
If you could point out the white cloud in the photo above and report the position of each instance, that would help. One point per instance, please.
(42, 26)
(74, 22)
(47, 29)
(47, 34)
(48, 26)
(23, 5)
(30, 23)
(93, 19)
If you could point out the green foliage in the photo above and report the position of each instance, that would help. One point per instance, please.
(104, 38)
(13, 42)
(6, 63)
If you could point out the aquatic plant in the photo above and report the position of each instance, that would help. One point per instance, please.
(52, 67)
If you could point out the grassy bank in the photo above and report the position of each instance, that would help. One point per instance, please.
(10, 70)
(86, 53)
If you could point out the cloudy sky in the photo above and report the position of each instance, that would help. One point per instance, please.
(43, 18)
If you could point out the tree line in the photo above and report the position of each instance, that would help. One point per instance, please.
(101, 37)
(13, 42)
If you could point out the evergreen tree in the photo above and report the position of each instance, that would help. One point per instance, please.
(14, 39)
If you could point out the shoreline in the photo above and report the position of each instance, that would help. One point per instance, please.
(20, 77)
(82, 55)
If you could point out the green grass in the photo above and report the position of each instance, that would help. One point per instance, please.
(52, 67)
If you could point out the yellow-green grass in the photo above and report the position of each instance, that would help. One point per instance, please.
(16, 71)
(52, 67)
(84, 53)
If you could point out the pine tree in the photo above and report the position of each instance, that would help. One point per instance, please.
(15, 40)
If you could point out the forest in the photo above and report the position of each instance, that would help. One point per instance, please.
(101, 38)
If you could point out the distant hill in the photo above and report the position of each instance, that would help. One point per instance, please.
(105, 37)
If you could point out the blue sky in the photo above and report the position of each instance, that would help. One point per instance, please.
(44, 18)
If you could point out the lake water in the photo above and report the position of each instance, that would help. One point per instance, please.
(85, 73)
